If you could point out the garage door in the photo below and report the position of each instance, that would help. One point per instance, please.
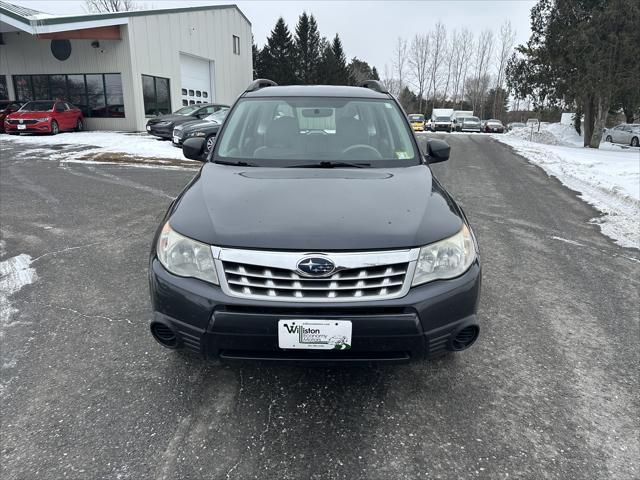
(196, 80)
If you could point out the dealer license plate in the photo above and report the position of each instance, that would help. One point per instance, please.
(22, 127)
(314, 334)
(176, 139)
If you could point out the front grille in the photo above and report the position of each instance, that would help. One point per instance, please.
(24, 122)
(366, 282)
(274, 276)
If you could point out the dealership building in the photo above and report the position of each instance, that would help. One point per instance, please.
(122, 68)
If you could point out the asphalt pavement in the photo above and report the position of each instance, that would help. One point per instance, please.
(550, 390)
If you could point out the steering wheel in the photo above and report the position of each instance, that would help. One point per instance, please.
(360, 152)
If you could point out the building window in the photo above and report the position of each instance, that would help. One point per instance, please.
(4, 93)
(156, 95)
(98, 95)
(205, 94)
(198, 93)
(236, 45)
(184, 91)
(185, 103)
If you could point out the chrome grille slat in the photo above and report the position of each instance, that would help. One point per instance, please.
(356, 284)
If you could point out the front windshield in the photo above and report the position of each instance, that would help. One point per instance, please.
(187, 110)
(307, 131)
(416, 118)
(443, 119)
(472, 119)
(37, 107)
(219, 116)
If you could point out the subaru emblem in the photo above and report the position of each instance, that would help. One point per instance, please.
(316, 267)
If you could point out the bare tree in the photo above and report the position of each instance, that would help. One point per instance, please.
(453, 49)
(390, 82)
(105, 6)
(462, 73)
(507, 41)
(438, 45)
(419, 64)
(399, 62)
(480, 83)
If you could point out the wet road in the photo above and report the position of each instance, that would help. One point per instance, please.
(549, 391)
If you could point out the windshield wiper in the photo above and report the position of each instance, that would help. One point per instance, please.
(327, 164)
(237, 164)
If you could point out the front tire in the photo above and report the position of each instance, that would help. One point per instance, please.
(79, 125)
(608, 139)
(54, 128)
(634, 142)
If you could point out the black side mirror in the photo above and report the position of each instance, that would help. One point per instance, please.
(193, 149)
(437, 151)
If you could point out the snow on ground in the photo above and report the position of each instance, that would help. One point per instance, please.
(608, 178)
(15, 273)
(92, 143)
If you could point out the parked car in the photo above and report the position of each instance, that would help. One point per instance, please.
(207, 129)
(493, 126)
(163, 125)
(303, 245)
(469, 124)
(512, 125)
(44, 116)
(417, 122)
(7, 107)
(625, 133)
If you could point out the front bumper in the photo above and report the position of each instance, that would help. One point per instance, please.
(163, 132)
(417, 127)
(442, 127)
(38, 127)
(420, 325)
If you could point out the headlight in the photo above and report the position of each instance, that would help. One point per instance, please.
(185, 257)
(447, 258)
(197, 134)
(43, 119)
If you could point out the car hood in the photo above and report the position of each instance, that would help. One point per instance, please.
(201, 125)
(315, 209)
(39, 114)
(170, 118)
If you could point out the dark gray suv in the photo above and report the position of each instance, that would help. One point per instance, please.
(315, 231)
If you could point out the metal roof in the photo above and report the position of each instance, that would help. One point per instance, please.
(316, 91)
(30, 17)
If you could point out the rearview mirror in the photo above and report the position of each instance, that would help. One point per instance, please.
(437, 151)
(193, 149)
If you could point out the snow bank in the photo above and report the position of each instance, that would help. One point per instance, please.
(607, 178)
(91, 143)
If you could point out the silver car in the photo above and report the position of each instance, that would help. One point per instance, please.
(625, 133)
(470, 124)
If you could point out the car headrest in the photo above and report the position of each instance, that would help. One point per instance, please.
(352, 129)
(282, 132)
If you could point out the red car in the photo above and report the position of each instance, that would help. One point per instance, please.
(44, 116)
(493, 126)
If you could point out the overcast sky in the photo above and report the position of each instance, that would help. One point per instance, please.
(368, 29)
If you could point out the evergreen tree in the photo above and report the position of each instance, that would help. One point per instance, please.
(341, 74)
(277, 56)
(257, 61)
(374, 74)
(327, 63)
(578, 54)
(307, 50)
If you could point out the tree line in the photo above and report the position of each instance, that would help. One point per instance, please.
(307, 58)
(440, 69)
(583, 56)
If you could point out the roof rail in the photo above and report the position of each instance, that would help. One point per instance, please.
(259, 83)
(374, 85)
